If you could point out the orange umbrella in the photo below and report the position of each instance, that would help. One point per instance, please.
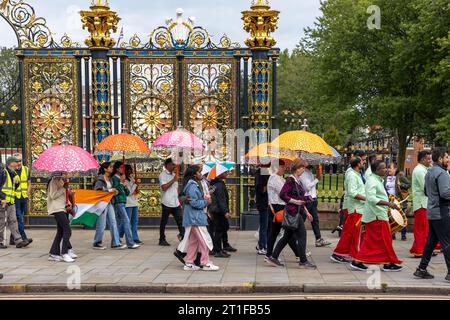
(125, 144)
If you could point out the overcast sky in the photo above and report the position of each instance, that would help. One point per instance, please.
(142, 16)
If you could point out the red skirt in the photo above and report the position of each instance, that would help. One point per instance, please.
(376, 245)
(349, 242)
(345, 214)
(420, 232)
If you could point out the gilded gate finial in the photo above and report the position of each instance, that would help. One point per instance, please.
(260, 22)
(100, 20)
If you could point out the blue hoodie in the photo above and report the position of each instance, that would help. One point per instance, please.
(193, 212)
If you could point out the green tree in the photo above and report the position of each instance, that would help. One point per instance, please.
(383, 76)
(298, 91)
(10, 113)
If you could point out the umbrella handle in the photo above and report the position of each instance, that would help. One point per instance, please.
(123, 168)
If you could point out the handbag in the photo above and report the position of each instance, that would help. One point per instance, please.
(291, 222)
(277, 216)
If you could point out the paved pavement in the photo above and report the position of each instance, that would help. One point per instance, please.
(154, 269)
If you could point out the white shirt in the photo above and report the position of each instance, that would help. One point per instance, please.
(132, 200)
(309, 182)
(169, 198)
(390, 184)
(274, 186)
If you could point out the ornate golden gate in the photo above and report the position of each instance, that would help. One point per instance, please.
(179, 75)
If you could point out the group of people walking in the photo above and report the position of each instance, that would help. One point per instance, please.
(366, 236)
(295, 196)
(120, 214)
(201, 211)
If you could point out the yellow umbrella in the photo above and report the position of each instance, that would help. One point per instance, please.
(261, 151)
(301, 141)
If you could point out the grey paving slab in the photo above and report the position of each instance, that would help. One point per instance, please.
(152, 264)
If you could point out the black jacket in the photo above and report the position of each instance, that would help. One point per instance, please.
(262, 197)
(220, 198)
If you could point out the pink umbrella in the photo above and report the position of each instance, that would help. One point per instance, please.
(65, 158)
(178, 140)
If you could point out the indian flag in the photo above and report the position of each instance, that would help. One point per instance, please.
(89, 205)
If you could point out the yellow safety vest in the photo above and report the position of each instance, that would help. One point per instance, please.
(21, 192)
(8, 189)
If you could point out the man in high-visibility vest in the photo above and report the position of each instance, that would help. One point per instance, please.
(23, 193)
(9, 182)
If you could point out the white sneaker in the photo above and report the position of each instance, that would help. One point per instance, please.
(67, 258)
(262, 252)
(119, 247)
(210, 267)
(134, 246)
(308, 254)
(190, 267)
(72, 254)
(53, 257)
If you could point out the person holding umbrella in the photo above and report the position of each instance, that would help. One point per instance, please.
(293, 194)
(120, 201)
(170, 203)
(57, 205)
(103, 182)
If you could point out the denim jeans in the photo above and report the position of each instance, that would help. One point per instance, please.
(132, 213)
(124, 221)
(263, 225)
(312, 208)
(21, 209)
(107, 216)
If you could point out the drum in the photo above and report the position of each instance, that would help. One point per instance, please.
(397, 218)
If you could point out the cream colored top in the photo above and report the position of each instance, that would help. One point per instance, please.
(56, 196)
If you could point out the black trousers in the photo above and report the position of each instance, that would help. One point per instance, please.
(274, 231)
(218, 230)
(177, 215)
(225, 234)
(439, 230)
(299, 235)
(312, 208)
(63, 233)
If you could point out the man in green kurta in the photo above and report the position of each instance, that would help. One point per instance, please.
(376, 245)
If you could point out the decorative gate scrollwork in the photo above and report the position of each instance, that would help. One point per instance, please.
(209, 95)
(152, 98)
(50, 103)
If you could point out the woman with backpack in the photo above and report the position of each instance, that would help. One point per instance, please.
(196, 239)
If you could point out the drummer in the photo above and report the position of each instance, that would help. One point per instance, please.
(354, 187)
(376, 246)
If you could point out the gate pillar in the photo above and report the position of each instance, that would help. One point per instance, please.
(260, 21)
(99, 21)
